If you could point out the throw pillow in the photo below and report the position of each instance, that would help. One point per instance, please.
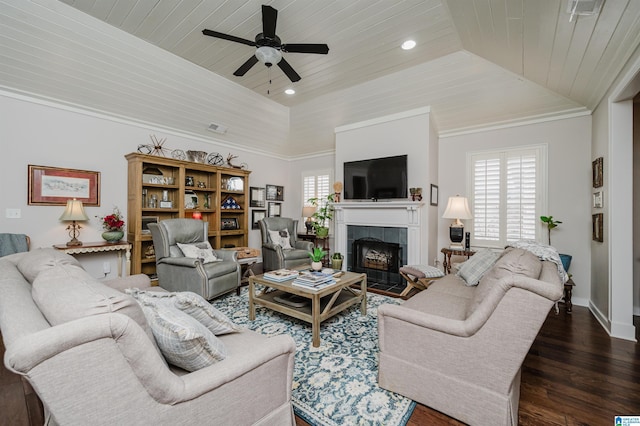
(473, 269)
(281, 238)
(202, 251)
(183, 341)
(192, 304)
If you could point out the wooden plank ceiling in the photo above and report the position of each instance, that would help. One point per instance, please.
(476, 62)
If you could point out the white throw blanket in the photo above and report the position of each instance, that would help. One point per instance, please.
(544, 252)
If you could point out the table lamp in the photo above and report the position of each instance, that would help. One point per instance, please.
(457, 208)
(308, 212)
(74, 212)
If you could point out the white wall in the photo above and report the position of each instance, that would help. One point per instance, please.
(47, 135)
(569, 183)
(405, 133)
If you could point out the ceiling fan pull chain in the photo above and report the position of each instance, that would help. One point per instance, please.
(269, 76)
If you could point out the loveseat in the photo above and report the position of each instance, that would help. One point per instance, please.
(104, 367)
(458, 348)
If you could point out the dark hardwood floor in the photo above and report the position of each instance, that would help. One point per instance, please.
(574, 374)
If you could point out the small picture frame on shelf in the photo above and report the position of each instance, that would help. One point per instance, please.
(228, 223)
(256, 216)
(235, 184)
(275, 193)
(274, 209)
(256, 197)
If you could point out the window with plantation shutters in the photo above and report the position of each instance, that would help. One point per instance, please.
(508, 195)
(315, 185)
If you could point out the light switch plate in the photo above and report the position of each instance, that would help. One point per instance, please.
(13, 213)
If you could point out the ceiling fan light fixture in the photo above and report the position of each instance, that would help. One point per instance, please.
(268, 55)
(408, 45)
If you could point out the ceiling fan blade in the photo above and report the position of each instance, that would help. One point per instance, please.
(269, 18)
(216, 34)
(290, 72)
(246, 66)
(322, 49)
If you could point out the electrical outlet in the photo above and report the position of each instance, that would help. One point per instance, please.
(106, 267)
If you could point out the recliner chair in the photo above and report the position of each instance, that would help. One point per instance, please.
(273, 255)
(179, 273)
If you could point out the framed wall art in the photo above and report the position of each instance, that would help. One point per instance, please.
(597, 227)
(597, 200)
(256, 216)
(434, 195)
(275, 193)
(596, 167)
(274, 209)
(54, 186)
(256, 197)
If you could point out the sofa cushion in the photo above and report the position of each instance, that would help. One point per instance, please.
(183, 341)
(281, 238)
(512, 261)
(193, 305)
(473, 269)
(36, 261)
(202, 251)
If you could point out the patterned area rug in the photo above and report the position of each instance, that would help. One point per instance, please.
(337, 383)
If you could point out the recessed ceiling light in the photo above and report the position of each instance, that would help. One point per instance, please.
(290, 91)
(408, 45)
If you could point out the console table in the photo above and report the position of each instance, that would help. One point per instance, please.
(447, 253)
(100, 247)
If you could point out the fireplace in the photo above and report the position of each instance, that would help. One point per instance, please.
(379, 252)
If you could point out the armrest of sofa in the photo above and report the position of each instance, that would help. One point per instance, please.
(423, 319)
(138, 281)
(227, 255)
(116, 336)
(186, 262)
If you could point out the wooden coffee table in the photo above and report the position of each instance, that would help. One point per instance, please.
(322, 304)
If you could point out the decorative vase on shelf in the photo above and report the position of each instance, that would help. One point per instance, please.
(112, 236)
(316, 266)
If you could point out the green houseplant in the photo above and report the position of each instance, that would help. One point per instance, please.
(336, 261)
(323, 215)
(551, 223)
(316, 258)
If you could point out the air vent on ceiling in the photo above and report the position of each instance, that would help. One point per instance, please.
(583, 7)
(217, 128)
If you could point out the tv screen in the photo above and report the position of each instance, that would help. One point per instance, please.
(376, 179)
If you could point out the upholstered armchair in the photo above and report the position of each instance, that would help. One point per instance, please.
(277, 254)
(176, 272)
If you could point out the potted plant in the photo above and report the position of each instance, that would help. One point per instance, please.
(336, 261)
(551, 223)
(323, 214)
(316, 258)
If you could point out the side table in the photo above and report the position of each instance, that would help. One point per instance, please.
(447, 253)
(568, 289)
(102, 246)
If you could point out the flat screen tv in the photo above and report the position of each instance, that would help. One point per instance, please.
(376, 178)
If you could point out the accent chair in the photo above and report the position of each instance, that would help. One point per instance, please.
(287, 252)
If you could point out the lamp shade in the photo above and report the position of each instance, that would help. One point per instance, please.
(308, 211)
(457, 208)
(74, 211)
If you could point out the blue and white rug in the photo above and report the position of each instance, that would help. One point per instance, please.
(337, 383)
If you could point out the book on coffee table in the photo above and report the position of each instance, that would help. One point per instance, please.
(280, 275)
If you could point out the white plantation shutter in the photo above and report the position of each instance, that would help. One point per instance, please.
(316, 185)
(508, 195)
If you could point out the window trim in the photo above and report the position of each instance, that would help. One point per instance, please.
(542, 186)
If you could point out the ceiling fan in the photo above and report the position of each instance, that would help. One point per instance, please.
(269, 47)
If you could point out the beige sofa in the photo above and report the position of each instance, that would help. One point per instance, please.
(459, 349)
(103, 368)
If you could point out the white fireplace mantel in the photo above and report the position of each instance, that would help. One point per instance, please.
(400, 214)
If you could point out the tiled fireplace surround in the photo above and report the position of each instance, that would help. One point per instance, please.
(385, 214)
